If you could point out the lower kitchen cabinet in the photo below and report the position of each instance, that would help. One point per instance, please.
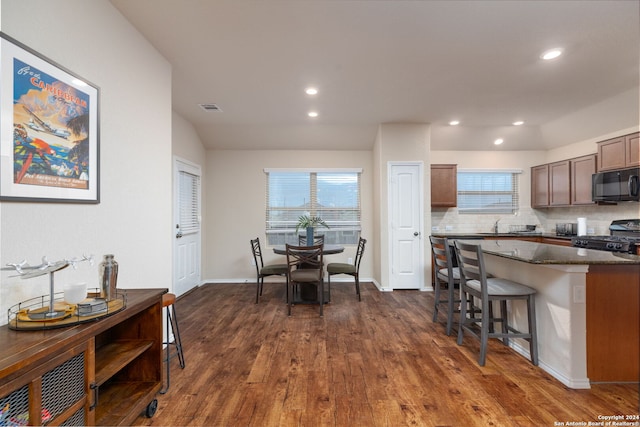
(105, 372)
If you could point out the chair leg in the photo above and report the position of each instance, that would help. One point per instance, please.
(437, 300)
(286, 284)
(504, 321)
(463, 314)
(450, 302)
(289, 297)
(329, 285)
(484, 332)
(321, 297)
(257, 289)
(358, 286)
(533, 341)
(171, 320)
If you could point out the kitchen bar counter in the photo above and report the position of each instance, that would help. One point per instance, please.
(587, 307)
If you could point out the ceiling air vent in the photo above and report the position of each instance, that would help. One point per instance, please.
(210, 107)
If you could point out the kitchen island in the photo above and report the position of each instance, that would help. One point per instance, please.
(587, 306)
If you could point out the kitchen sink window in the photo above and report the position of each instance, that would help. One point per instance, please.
(331, 194)
(488, 191)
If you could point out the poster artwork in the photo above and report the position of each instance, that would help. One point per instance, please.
(50, 130)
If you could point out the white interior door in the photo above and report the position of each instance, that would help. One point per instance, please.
(406, 212)
(186, 226)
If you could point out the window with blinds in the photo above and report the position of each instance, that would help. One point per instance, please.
(189, 209)
(487, 192)
(332, 195)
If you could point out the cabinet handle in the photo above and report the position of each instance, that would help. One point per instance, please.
(95, 388)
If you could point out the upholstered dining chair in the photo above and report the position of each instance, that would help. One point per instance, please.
(474, 282)
(312, 274)
(334, 268)
(263, 271)
(446, 276)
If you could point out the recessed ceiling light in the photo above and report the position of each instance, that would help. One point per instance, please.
(551, 54)
(312, 114)
(518, 123)
(454, 122)
(311, 91)
(498, 141)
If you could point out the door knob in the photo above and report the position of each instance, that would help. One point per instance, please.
(179, 235)
(415, 233)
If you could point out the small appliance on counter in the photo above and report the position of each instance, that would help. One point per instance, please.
(567, 229)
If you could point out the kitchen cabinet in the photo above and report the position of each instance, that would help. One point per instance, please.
(581, 170)
(559, 183)
(105, 372)
(563, 183)
(444, 185)
(540, 186)
(619, 153)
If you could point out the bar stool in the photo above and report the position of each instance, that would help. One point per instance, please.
(168, 301)
(474, 282)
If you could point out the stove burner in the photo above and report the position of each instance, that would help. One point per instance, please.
(624, 237)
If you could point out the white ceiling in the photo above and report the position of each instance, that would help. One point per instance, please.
(394, 61)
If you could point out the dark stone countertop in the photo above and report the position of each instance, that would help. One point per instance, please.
(450, 235)
(542, 253)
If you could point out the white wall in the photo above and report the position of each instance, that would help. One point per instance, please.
(133, 218)
(235, 207)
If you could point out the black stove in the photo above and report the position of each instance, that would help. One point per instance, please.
(624, 237)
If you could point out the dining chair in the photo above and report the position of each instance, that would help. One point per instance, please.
(474, 282)
(263, 271)
(311, 275)
(334, 268)
(447, 278)
(318, 239)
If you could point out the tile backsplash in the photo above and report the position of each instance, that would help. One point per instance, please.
(598, 218)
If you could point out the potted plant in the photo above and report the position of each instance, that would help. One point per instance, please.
(310, 223)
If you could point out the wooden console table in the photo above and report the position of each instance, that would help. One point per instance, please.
(106, 372)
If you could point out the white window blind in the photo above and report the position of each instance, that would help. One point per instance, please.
(189, 209)
(333, 196)
(487, 192)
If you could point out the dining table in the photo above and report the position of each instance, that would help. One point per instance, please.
(308, 293)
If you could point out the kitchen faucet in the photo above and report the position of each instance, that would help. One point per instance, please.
(495, 226)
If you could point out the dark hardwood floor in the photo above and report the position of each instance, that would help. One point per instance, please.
(379, 362)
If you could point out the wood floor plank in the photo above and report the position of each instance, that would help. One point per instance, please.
(379, 362)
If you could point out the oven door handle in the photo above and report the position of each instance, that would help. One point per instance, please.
(633, 185)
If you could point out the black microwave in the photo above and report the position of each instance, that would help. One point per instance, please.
(616, 186)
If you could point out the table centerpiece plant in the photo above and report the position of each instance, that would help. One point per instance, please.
(310, 223)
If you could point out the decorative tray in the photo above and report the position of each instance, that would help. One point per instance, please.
(31, 314)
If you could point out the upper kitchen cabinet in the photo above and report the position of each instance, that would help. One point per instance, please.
(581, 170)
(563, 183)
(540, 186)
(444, 186)
(619, 153)
(559, 183)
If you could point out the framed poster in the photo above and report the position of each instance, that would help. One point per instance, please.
(49, 130)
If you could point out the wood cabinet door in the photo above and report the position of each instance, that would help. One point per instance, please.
(632, 147)
(582, 168)
(611, 154)
(540, 186)
(559, 183)
(444, 186)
